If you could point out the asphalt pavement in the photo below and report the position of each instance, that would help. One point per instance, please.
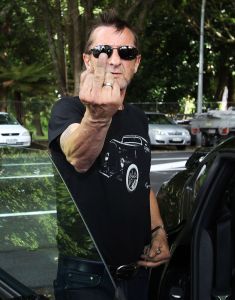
(166, 163)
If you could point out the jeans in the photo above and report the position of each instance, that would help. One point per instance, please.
(76, 282)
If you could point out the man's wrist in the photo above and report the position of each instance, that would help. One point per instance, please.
(94, 120)
(157, 228)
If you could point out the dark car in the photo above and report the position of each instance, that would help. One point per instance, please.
(177, 196)
(198, 208)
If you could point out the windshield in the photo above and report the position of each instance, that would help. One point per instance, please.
(38, 219)
(6, 119)
(159, 119)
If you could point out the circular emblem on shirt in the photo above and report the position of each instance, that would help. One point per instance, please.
(132, 177)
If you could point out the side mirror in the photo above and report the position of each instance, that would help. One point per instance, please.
(195, 159)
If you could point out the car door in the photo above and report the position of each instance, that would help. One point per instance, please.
(202, 256)
(212, 245)
(37, 216)
(194, 183)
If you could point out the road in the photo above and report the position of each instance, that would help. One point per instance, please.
(165, 164)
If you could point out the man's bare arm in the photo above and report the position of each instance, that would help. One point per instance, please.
(82, 143)
(157, 252)
(156, 218)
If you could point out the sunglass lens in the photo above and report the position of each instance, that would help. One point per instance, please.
(102, 49)
(127, 53)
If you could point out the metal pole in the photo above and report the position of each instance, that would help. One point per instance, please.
(200, 72)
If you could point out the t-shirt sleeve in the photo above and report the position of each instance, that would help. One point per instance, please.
(143, 117)
(66, 111)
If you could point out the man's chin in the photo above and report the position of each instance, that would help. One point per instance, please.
(122, 83)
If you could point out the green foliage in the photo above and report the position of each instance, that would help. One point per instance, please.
(35, 197)
(169, 44)
(25, 64)
(31, 79)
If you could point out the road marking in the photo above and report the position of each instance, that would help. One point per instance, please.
(26, 164)
(180, 165)
(26, 176)
(169, 158)
(30, 213)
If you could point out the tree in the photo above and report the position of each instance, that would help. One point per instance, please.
(25, 69)
(53, 33)
(219, 44)
(67, 23)
(23, 80)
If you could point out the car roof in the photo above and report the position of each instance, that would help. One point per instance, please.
(209, 153)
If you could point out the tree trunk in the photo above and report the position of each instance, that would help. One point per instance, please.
(61, 47)
(57, 54)
(231, 90)
(3, 101)
(18, 107)
(76, 42)
(37, 124)
(223, 75)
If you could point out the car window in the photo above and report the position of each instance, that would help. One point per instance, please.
(37, 218)
(159, 119)
(201, 176)
(6, 119)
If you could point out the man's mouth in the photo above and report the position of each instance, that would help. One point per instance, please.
(115, 74)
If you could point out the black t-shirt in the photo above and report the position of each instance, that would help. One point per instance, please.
(113, 195)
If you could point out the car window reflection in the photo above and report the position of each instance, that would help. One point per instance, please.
(38, 220)
(201, 177)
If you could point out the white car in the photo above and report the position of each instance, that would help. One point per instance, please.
(163, 131)
(12, 133)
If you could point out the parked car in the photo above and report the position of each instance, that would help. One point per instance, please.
(12, 133)
(198, 209)
(186, 123)
(163, 131)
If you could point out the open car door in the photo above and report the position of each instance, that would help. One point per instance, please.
(212, 247)
(37, 218)
(202, 265)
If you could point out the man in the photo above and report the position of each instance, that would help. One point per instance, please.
(101, 147)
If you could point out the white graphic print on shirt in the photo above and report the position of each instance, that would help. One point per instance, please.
(120, 161)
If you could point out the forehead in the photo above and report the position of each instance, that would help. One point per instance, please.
(108, 35)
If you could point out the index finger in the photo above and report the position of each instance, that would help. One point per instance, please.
(100, 70)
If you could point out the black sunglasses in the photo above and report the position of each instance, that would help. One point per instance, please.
(125, 52)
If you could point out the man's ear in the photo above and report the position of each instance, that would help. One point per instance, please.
(137, 62)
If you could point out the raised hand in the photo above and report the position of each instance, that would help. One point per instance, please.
(99, 91)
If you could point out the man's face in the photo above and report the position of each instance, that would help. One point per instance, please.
(122, 70)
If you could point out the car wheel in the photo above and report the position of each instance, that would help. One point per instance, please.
(132, 177)
(205, 140)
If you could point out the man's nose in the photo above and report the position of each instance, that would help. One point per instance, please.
(114, 58)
